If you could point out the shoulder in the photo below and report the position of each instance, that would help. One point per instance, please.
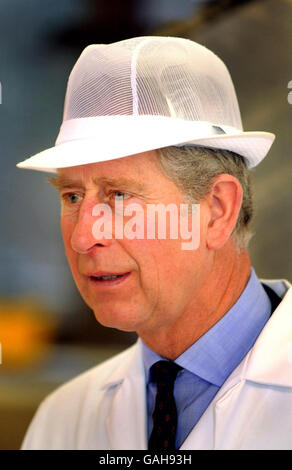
(95, 377)
(59, 417)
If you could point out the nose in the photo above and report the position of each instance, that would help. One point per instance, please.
(93, 227)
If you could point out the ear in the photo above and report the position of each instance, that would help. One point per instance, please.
(224, 201)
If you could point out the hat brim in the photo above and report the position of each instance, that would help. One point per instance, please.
(125, 137)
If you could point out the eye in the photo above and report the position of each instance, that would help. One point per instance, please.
(71, 198)
(120, 196)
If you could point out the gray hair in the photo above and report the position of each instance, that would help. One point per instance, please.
(193, 168)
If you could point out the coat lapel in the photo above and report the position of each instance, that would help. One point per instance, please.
(204, 435)
(126, 423)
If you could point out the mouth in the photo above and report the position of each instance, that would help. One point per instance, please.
(108, 279)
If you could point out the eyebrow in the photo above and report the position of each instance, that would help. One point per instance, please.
(61, 182)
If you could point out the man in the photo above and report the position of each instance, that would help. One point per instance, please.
(154, 122)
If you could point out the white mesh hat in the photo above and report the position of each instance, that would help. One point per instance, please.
(143, 94)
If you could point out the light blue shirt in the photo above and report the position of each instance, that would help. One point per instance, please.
(211, 359)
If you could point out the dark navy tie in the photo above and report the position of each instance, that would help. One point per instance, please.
(162, 438)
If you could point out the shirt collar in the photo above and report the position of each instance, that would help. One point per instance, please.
(214, 356)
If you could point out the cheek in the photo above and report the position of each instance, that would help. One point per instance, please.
(66, 231)
(159, 261)
(178, 269)
(67, 228)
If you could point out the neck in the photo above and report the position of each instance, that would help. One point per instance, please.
(219, 290)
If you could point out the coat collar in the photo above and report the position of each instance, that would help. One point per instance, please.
(270, 359)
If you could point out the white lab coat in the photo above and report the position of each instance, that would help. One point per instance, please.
(105, 407)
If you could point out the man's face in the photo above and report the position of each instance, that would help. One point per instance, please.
(160, 278)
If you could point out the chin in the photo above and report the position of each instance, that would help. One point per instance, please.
(119, 321)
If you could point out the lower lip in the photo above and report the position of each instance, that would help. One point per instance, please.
(109, 282)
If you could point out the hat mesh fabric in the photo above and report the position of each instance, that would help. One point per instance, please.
(170, 77)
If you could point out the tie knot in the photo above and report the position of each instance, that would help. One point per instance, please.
(164, 373)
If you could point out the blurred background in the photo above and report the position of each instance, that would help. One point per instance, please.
(48, 335)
